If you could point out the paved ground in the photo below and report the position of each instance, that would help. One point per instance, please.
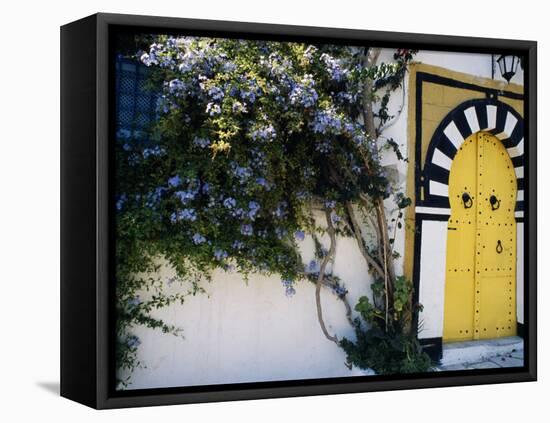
(509, 359)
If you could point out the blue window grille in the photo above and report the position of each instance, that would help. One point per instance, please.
(136, 102)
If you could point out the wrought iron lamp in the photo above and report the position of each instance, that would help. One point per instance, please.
(508, 65)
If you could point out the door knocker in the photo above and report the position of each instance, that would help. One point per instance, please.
(495, 202)
(499, 247)
(467, 200)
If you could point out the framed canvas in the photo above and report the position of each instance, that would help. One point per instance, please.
(258, 211)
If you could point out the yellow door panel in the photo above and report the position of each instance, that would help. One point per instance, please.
(496, 308)
(497, 251)
(480, 302)
(461, 239)
(497, 246)
(459, 315)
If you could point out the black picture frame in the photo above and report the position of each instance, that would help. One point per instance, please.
(86, 235)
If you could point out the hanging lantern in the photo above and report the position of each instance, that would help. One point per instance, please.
(508, 65)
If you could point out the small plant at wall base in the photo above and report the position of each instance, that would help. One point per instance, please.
(387, 347)
(254, 138)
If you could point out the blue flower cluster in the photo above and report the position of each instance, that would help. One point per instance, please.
(304, 92)
(154, 56)
(153, 197)
(174, 181)
(249, 96)
(153, 152)
(359, 139)
(333, 67)
(203, 59)
(133, 341)
(289, 287)
(229, 67)
(339, 290)
(346, 97)
(201, 142)
(177, 87)
(124, 134)
(134, 302)
(300, 235)
(326, 121)
(277, 65)
(213, 109)
(220, 254)
(242, 173)
(349, 128)
(237, 245)
(310, 52)
(121, 199)
(281, 232)
(262, 182)
(229, 203)
(312, 266)
(280, 211)
(266, 133)
(251, 91)
(198, 239)
(185, 214)
(164, 104)
(323, 147)
(216, 93)
(239, 107)
(247, 230)
(185, 196)
(258, 160)
(238, 212)
(253, 209)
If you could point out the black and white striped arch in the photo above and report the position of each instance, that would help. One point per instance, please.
(472, 116)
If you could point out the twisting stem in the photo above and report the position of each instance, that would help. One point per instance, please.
(386, 286)
(388, 272)
(348, 309)
(330, 284)
(359, 238)
(369, 59)
(378, 238)
(321, 277)
(381, 213)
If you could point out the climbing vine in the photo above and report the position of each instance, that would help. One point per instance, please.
(254, 141)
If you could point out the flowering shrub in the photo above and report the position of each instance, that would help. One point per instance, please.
(386, 351)
(249, 135)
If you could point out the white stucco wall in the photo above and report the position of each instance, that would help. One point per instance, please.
(241, 332)
(245, 333)
(432, 278)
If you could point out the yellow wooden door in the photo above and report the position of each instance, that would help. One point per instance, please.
(480, 284)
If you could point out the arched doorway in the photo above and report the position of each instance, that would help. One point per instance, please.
(433, 159)
(480, 271)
